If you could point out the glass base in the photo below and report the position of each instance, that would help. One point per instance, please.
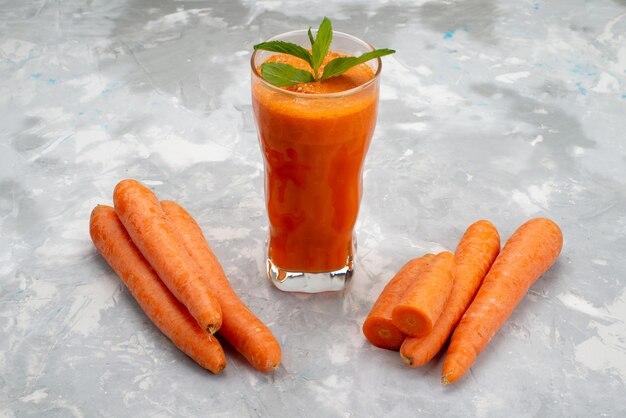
(328, 281)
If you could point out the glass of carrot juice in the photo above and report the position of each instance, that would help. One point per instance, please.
(314, 137)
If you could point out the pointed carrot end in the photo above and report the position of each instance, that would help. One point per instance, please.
(407, 360)
(220, 368)
(273, 365)
(444, 379)
(268, 368)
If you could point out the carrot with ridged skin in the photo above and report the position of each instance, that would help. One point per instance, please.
(152, 232)
(154, 298)
(422, 303)
(240, 326)
(529, 253)
(473, 257)
(378, 327)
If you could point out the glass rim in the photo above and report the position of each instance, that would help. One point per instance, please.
(349, 92)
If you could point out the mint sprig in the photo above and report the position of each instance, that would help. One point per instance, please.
(321, 44)
(284, 75)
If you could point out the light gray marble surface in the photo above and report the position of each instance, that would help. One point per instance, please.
(489, 109)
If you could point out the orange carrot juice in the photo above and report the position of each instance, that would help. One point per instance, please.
(314, 137)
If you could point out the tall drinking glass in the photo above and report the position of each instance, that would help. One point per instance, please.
(314, 146)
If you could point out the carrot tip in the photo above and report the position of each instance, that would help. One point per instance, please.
(267, 369)
(407, 360)
(212, 329)
(444, 380)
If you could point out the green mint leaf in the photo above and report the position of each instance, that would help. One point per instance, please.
(323, 38)
(284, 75)
(342, 64)
(286, 48)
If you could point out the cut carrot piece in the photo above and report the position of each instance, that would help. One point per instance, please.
(473, 257)
(159, 304)
(240, 326)
(425, 299)
(378, 326)
(529, 253)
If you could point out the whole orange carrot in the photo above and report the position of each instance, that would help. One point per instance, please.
(378, 326)
(529, 253)
(152, 232)
(424, 300)
(163, 309)
(475, 253)
(240, 327)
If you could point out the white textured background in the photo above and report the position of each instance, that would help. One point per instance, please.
(489, 109)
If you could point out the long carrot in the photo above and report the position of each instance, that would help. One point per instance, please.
(529, 253)
(475, 253)
(240, 326)
(378, 326)
(151, 231)
(163, 309)
(425, 299)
